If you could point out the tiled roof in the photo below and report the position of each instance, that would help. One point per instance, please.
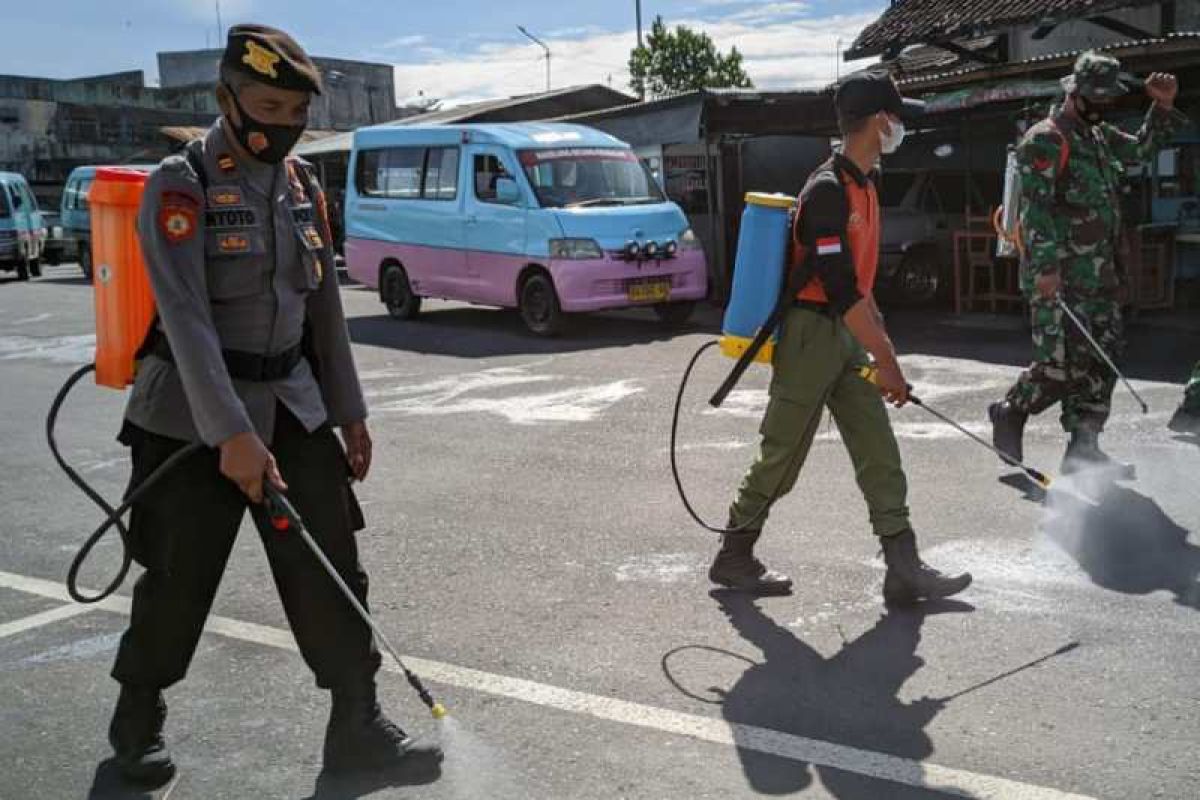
(928, 58)
(1185, 41)
(908, 22)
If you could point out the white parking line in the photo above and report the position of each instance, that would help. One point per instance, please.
(747, 737)
(41, 618)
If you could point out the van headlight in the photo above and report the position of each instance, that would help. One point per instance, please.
(688, 240)
(575, 248)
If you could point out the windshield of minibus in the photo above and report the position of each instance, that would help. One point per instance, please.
(579, 177)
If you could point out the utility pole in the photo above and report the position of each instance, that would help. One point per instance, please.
(220, 30)
(541, 44)
(837, 60)
(637, 4)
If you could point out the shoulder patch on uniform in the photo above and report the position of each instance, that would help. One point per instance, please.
(177, 216)
(225, 163)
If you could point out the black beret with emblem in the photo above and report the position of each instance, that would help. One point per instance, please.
(270, 56)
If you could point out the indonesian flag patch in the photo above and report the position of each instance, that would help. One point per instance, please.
(829, 245)
(177, 217)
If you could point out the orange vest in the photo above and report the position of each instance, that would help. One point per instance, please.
(862, 237)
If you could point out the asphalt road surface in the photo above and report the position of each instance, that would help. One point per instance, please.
(528, 553)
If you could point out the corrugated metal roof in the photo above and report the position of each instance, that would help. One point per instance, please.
(1184, 38)
(696, 95)
(908, 22)
(502, 109)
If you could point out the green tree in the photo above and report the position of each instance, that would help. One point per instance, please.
(683, 60)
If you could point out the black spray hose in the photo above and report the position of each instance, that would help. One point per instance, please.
(753, 522)
(112, 515)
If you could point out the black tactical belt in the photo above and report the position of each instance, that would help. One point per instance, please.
(244, 366)
(813, 305)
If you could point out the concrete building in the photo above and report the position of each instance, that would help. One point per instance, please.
(356, 92)
(48, 127)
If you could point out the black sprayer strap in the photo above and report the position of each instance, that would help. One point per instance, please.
(194, 158)
(191, 151)
(796, 278)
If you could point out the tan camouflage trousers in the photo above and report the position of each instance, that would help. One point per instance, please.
(1066, 368)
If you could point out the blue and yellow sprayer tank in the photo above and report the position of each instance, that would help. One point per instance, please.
(763, 243)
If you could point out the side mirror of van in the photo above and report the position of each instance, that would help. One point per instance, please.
(507, 191)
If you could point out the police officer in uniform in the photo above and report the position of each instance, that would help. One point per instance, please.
(820, 349)
(1071, 167)
(249, 356)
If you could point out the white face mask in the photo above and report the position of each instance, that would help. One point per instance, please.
(891, 141)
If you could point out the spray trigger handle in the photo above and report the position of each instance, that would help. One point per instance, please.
(870, 374)
(283, 517)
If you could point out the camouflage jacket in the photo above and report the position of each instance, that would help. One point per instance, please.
(1071, 218)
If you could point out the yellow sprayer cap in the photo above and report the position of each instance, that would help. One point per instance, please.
(439, 711)
(770, 200)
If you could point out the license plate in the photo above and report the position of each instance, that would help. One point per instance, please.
(649, 291)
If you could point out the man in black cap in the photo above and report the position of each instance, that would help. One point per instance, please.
(823, 342)
(249, 356)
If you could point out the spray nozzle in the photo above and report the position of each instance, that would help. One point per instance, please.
(437, 709)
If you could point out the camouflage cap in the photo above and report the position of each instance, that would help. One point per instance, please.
(1096, 76)
(270, 56)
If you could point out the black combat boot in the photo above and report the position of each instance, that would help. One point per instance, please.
(1185, 420)
(1008, 429)
(736, 567)
(136, 736)
(910, 579)
(1084, 453)
(360, 737)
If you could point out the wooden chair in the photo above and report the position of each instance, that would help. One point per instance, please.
(975, 252)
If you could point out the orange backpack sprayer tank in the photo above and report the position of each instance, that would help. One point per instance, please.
(124, 300)
(125, 311)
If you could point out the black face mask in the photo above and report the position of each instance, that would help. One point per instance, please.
(1092, 113)
(269, 144)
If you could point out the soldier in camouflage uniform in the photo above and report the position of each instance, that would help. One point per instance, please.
(1187, 417)
(1071, 167)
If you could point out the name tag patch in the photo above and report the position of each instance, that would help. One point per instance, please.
(829, 245)
(224, 218)
(302, 214)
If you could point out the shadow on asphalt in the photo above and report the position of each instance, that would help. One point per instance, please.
(1030, 489)
(482, 332)
(1150, 354)
(77, 280)
(1126, 543)
(412, 771)
(107, 784)
(850, 699)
